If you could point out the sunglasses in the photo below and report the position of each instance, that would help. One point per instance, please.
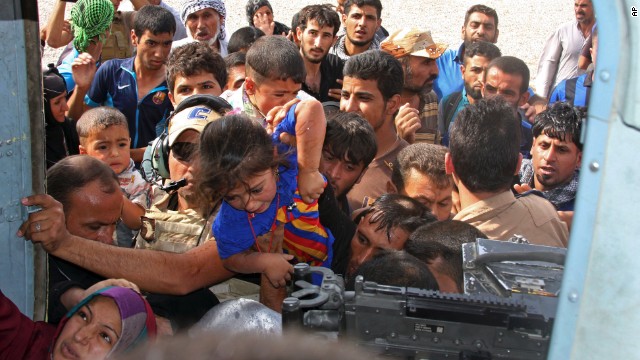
(184, 151)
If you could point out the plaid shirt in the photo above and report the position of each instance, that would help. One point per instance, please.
(562, 197)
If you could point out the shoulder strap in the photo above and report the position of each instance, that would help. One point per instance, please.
(450, 106)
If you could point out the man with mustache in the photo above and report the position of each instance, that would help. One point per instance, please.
(559, 59)
(361, 20)
(417, 52)
(317, 32)
(204, 20)
(477, 57)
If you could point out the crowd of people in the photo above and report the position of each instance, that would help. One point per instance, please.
(193, 162)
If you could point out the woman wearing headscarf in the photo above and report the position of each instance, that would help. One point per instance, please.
(61, 137)
(260, 15)
(106, 323)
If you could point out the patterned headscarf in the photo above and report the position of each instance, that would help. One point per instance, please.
(253, 6)
(90, 18)
(138, 321)
(191, 6)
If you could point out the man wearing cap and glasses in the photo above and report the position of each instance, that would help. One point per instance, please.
(417, 52)
(204, 20)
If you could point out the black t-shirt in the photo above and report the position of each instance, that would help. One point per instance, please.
(330, 71)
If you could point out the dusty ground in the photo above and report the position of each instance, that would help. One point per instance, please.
(523, 26)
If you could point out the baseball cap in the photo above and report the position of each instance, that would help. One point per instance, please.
(191, 118)
(414, 42)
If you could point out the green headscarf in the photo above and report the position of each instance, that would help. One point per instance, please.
(90, 18)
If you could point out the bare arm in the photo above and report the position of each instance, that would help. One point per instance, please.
(84, 70)
(58, 31)
(155, 271)
(131, 214)
(311, 126)
(138, 154)
(273, 265)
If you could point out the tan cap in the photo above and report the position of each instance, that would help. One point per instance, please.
(414, 42)
(193, 118)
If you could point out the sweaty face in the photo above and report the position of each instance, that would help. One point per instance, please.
(202, 83)
(182, 157)
(153, 49)
(111, 146)
(93, 214)
(315, 41)
(419, 74)
(235, 77)
(271, 93)
(473, 73)
(583, 10)
(58, 106)
(480, 27)
(256, 195)
(420, 187)
(498, 83)
(363, 97)
(368, 240)
(341, 173)
(204, 25)
(91, 332)
(361, 24)
(554, 161)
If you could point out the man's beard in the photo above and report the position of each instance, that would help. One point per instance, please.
(475, 94)
(359, 43)
(417, 89)
(211, 42)
(312, 59)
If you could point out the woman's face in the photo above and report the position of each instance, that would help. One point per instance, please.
(91, 332)
(59, 107)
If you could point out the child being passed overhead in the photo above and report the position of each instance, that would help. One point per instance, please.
(261, 181)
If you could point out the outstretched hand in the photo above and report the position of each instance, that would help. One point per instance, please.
(279, 270)
(83, 70)
(408, 123)
(275, 117)
(311, 185)
(46, 226)
(522, 188)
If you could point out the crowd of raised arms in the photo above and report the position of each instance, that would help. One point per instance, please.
(196, 165)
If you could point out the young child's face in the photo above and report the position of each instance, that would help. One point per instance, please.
(202, 83)
(111, 146)
(257, 196)
(271, 93)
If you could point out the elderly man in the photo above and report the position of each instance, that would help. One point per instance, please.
(559, 58)
(204, 20)
(417, 52)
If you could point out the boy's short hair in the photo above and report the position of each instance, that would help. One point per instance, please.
(351, 138)
(275, 58)
(98, 119)
(427, 159)
(379, 66)
(156, 19)
(235, 59)
(243, 38)
(192, 59)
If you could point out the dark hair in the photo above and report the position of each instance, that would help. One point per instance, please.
(360, 3)
(275, 58)
(351, 138)
(481, 48)
(154, 18)
(513, 66)
(195, 58)
(485, 145)
(395, 268)
(225, 162)
(253, 6)
(483, 9)
(243, 38)
(98, 119)
(443, 239)
(560, 121)
(391, 211)
(72, 173)
(235, 59)
(380, 66)
(427, 159)
(324, 15)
